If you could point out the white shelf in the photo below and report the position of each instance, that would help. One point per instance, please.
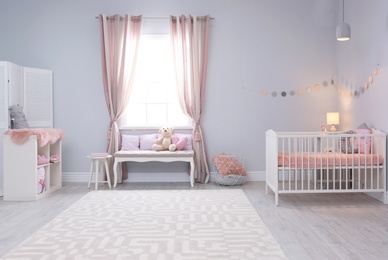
(21, 169)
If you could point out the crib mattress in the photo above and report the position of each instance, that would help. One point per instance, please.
(327, 160)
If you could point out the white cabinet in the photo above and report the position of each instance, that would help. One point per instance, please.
(30, 88)
(21, 169)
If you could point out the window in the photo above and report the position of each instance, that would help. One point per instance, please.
(154, 100)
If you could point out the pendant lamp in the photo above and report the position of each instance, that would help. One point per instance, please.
(343, 29)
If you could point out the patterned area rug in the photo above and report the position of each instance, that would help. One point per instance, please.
(146, 224)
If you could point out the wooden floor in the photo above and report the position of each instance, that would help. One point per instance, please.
(308, 226)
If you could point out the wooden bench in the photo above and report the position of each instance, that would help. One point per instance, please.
(149, 156)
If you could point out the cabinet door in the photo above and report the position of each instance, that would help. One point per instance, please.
(20, 169)
(38, 97)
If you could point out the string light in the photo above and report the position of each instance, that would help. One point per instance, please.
(325, 84)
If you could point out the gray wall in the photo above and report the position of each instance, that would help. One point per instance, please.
(273, 45)
(356, 60)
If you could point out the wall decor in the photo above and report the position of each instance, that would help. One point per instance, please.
(341, 91)
(362, 87)
(291, 93)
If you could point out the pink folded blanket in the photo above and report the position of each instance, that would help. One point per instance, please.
(44, 135)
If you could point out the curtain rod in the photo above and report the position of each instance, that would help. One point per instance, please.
(155, 18)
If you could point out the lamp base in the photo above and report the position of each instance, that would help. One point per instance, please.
(332, 128)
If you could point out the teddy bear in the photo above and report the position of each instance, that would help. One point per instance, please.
(165, 141)
(18, 119)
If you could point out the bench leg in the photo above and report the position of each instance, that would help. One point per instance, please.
(115, 165)
(91, 173)
(107, 172)
(192, 173)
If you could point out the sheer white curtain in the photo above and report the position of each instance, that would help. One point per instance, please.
(120, 37)
(190, 38)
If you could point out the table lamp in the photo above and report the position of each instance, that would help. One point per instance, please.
(332, 118)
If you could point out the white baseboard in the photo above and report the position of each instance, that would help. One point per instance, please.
(152, 177)
(75, 176)
(256, 176)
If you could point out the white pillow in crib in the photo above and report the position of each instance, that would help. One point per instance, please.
(129, 142)
(376, 141)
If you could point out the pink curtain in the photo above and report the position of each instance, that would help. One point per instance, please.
(190, 38)
(120, 37)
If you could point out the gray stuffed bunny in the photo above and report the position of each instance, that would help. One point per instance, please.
(18, 119)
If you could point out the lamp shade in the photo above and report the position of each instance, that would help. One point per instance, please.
(332, 118)
(343, 32)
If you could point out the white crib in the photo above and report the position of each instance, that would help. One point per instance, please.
(318, 162)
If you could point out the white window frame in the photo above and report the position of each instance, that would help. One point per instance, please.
(151, 90)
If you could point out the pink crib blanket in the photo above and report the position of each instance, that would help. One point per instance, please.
(44, 135)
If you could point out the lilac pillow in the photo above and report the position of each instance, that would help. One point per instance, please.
(129, 142)
(189, 142)
(146, 141)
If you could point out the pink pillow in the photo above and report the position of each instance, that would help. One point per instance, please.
(174, 139)
(228, 164)
(180, 142)
(129, 142)
(189, 142)
(146, 141)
